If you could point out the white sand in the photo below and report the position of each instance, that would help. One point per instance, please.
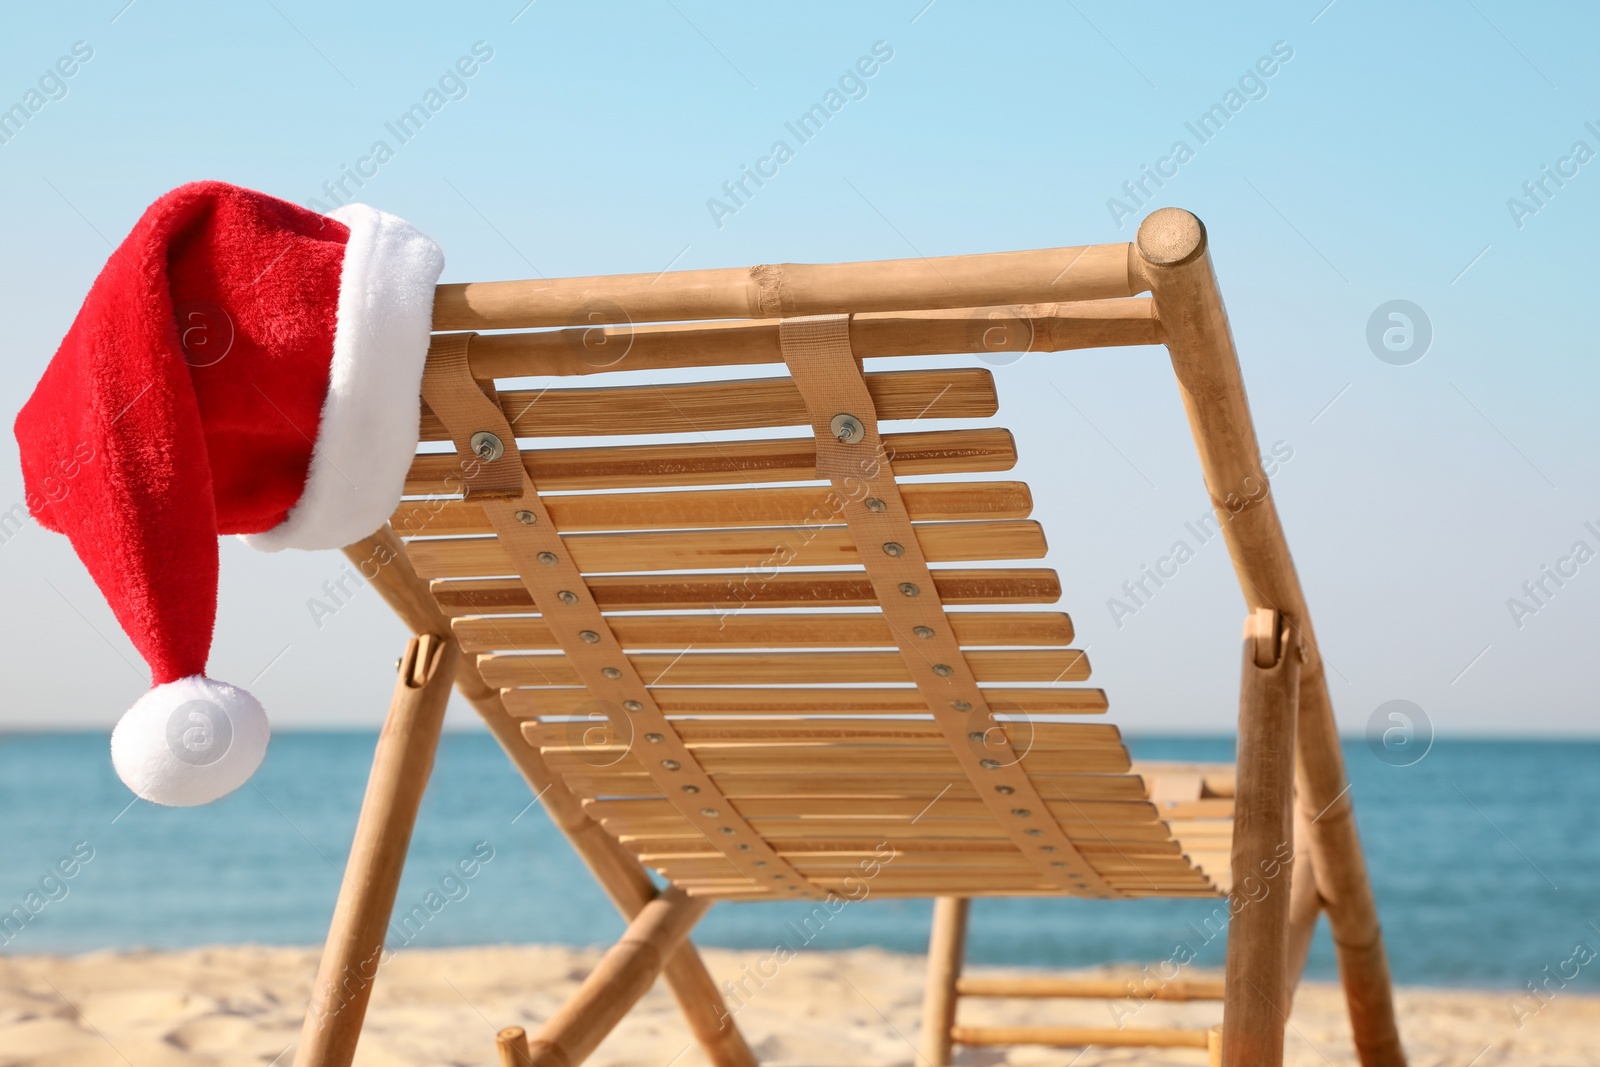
(242, 1005)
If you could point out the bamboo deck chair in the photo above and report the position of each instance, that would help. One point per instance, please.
(729, 661)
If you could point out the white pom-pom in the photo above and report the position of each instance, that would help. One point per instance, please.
(189, 742)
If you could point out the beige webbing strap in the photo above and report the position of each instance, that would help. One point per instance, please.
(851, 455)
(564, 601)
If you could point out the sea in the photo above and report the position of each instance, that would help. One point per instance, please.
(1484, 856)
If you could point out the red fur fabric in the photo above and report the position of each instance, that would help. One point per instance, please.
(183, 404)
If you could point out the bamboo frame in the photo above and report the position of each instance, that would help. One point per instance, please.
(1256, 986)
(947, 945)
(1174, 259)
(1046, 300)
(400, 769)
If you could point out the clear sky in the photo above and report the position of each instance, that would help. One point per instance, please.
(1378, 161)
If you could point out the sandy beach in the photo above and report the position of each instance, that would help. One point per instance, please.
(238, 1005)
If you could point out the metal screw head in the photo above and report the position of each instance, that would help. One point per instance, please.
(893, 548)
(726, 831)
(654, 739)
(1021, 813)
(960, 705)
(876, 506)
(744, 847)
(487, 446)
(922, 631)
(633, 705)
(548, 559)
(710, 813)
(989, 764)
(759, 863)
(943, 670)
(567, 596)
(1004, 790)
(909, 589)
(611, 672)
(589, 637)
(1042, 848)
(691, 789)
(671, 764)
(1058, 863)
(1039, 833)
(980, 737)
(847, 428)
(526, 517)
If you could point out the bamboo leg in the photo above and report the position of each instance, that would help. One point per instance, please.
(624, 974)
(1255, 1003)
(947, 946)
(400, 770)
(512, 1046)
(381, 559)
(1305, 904)
(1172, 255)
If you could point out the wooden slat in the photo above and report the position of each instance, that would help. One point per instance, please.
(1180, 989)
(789, 505)
(921, 853)
(747, 404)
(619, 781)
(1006, 328)
(727, 593)
(526, 703)
(785, 668)
(757, 629)
(1021, 735)
(679, 550)
(878, 830)
(1076, 1036)
(720, 760)
(792, 459)
(1105, 813)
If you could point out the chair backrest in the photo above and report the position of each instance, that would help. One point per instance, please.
(734, 645)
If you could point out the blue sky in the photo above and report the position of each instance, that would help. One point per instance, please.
(1376, 163)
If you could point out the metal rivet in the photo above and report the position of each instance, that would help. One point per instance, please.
(727, 831)
(794, 889)
(847, 428)
(1038, 833)
(1058, 863)
(633, 705)
(910, 589)
(743, 847)
(691, 789)
(989, 764)
(960, 705)
(611, 672)
(1004, 790)
(778, 877)
(526, 517)
(567, 596)
(1022, 813)
(590, 636)
(893, 548)
(671, 764)
(943, 670)
(487, 446)
(978, 736)
(710, 813)
(922, 631)
(875, 505)
(759, 863)
(548, 559)
(1046, 848)
(654, 739)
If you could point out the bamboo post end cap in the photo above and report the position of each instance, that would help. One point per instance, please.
(1170, 237)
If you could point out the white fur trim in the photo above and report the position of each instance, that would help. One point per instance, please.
(368, 432)
(190, 741)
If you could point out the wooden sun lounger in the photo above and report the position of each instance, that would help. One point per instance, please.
(727, 658)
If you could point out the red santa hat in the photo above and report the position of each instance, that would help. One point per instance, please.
(243, 366)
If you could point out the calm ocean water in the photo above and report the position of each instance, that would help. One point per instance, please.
(1485, 857)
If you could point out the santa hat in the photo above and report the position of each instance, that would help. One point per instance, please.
(241, 366)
